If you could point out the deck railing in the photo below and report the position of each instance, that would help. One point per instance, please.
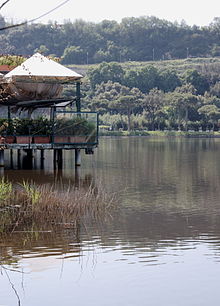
(65, 127)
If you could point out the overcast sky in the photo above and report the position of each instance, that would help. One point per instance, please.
(192, 11)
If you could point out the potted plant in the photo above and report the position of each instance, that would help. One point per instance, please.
(7, 130)
(22, 129)
(74, 130)
(61, 130)
(41, 130)
(83, 131)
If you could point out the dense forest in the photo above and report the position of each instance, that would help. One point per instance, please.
(179, 95)
(142, 73)
(133, 39)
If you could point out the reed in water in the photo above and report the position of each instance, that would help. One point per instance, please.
(28, 204)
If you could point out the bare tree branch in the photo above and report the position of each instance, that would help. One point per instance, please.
(3, 4)
(32, 20)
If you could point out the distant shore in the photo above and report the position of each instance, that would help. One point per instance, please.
(189, 134)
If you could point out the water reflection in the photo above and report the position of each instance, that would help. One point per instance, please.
(169, 189)
(168, 218)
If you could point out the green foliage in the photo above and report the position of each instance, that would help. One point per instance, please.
(42, 49)
(11, 60)
(77, 126)
(5, 191)
(106, 72)
(73, 55)
(152, 104)
(31, 206)
(32, 192)
(39, 126)
(197, 80)
(133, 39)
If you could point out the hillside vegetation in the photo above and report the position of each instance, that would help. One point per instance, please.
(133, 39)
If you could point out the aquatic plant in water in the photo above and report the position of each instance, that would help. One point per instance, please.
(28, 205)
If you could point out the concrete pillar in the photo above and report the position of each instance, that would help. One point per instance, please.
(60, 158)
(19, 158)
(11, 159)
(2, 160)
(78, 97)
(55, 158)
(42, 158)
(77, 157)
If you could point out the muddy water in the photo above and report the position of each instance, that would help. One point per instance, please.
(161, 246)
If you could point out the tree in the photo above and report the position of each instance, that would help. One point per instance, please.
(182, 99)
(215, 89)
(210, 112)
(73, 55)
(194, 78)
(106, 72)
(127, 103)
(168, 80)
(116, 99)
(152, 104)
(148, 78)
(42, 49)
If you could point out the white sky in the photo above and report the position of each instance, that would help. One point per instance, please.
(197, 12)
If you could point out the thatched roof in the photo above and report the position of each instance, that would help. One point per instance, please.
(39, 68)
(38, 78)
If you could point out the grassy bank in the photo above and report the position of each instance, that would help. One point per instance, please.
(25, 205)
(201, 64)
(201, 134)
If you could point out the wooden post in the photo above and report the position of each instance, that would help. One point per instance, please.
(42, 159)
(30, 153)
(42, 154)
(78, 97)
(55, 158)
(2, 161)
(60, 158)
(27, 162)
(52, 118)
(19, 158)
(11, 159)
(77, 157)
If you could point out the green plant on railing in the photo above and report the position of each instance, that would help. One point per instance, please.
(4, 126)
(39, 126)
(32, 192)
(77, 126)
(22, 126)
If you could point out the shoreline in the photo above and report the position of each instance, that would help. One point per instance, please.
(189, 134)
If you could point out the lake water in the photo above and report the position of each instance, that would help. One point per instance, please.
(160, 246)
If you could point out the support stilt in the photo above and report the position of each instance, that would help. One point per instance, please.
(59, 158)
(42, 159)
(2, 161)
(19, 158)
(28, 159)
(11, 159)
(55, 158)
(77, 157)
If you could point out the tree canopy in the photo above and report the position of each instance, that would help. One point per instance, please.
(133, 39)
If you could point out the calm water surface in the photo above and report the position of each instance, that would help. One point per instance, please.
(160, 247)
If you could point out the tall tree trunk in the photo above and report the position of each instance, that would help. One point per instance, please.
(179, 119)
(129, 120)
(186, 118)
(122, 123)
